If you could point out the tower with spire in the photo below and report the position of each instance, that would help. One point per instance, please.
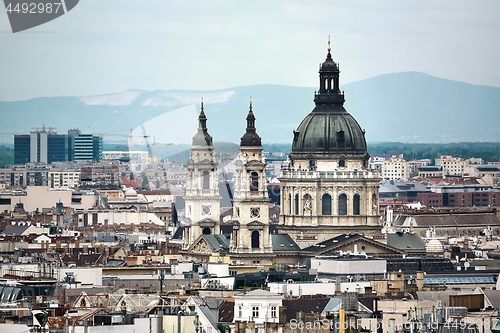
(250, 200)
(202, 209)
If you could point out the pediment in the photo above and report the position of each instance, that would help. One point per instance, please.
(200, 246)
(207, 223)
(255, 224)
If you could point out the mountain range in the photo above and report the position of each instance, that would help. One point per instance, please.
(408, 107)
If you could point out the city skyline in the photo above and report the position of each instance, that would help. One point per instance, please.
(112, 46)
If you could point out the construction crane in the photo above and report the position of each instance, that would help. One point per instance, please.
(152, 158)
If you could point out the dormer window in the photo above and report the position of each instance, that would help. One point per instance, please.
(312, 165)
(342, 163)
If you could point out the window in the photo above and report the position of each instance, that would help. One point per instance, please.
(206, 180)
(297, 204)
(326, 204)
(355, 204)
(240, 311)
(255, 311)
(342, 204)
(273, 312)
(290, 203)
(254, 182)
(342, 163)
(255, 239)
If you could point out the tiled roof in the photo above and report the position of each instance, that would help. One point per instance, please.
(226, 312)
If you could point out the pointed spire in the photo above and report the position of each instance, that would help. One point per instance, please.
(250, 138)
(250, 118)
(202, 119)
(329, 48)
(202, 137)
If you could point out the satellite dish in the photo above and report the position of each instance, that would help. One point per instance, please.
(459, 268)
(467, 264)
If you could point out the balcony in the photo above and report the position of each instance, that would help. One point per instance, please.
(294, 174)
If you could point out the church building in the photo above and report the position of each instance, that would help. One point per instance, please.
(327, 192)
(329, 189)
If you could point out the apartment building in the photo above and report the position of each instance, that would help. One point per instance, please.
(395, 169)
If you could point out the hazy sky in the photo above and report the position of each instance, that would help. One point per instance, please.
(105, 46)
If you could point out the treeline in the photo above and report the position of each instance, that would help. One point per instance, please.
(6, 156)
(488, 151)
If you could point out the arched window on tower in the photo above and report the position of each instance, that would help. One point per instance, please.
(326, 204)
(206, 180)
(296, 204)
(331, 84)
(206, 231)
(255, 239)
(355, 204)
(290, 203)
(254, 182)
(342, 204)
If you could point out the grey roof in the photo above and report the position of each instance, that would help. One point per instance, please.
(213, 302)
(283, 243)
(333, 304)
(218, 243)
(407, 242)
(211, 316)
(394, 186)
(449, 219)
(341, 240)
(443, 296)
(17, 229)
(259, 293)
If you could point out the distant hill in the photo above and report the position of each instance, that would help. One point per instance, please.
(406, 107)
(219, 147)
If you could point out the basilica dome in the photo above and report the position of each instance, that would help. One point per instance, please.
(329, 130)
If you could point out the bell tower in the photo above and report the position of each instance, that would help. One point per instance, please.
(202, 197)
(250, 200)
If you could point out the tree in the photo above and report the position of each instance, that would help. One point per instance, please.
(145, 182)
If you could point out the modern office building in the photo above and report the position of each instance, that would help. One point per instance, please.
(40, 146)
(47, 146)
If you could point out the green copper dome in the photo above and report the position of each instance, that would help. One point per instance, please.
(329, 130)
